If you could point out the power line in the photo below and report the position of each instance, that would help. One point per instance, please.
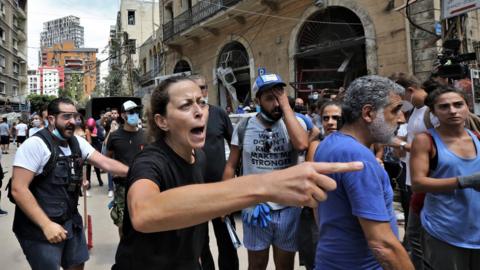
(277, 16)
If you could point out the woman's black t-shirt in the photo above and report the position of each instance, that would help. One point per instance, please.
(178, 249)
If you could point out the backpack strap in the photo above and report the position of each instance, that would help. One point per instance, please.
(242, 128)
(52, 145)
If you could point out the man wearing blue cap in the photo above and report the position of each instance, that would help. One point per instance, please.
(269, 141)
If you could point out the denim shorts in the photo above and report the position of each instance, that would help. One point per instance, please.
(44, 255)
(281, 231)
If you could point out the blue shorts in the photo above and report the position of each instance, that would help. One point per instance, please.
(281, 231)
(69, 253)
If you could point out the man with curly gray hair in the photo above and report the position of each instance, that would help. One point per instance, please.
(358, 229)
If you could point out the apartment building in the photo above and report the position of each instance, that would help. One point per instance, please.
(33, 82)
(137, 21)
(13, 54)
(60, 30)
(316, 46)
(76, 62)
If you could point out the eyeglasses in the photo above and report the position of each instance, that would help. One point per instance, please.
(68, 115)
(268, 140)
(328, 117)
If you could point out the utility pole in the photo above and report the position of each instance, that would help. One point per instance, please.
(127, 46)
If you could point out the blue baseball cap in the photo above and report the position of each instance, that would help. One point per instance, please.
(265, 82)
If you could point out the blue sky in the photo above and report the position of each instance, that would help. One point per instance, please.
(96, 16)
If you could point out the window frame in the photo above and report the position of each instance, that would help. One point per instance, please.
(131, 14)
(4, 90)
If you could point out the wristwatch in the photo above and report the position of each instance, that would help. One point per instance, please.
(402, 145)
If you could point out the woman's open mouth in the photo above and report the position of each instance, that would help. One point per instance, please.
(198, 131)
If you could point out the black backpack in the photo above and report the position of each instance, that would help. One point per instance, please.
(52, 145)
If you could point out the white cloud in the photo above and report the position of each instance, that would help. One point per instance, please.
(95, 16)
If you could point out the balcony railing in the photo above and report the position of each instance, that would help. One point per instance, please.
(199, 12)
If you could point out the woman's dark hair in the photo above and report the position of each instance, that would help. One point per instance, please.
(54, 105)
(158, 105)
(329, 103)
(430, 85)
(440, 90)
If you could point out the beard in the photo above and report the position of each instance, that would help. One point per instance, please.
(63, 130)
(380, 130)
(274, 115)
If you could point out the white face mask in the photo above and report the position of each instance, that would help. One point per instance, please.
(36, 123)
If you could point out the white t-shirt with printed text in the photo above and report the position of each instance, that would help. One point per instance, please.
(256, 158)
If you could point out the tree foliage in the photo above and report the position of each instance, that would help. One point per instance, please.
(113, 83)
(73, 88)
(39, 102)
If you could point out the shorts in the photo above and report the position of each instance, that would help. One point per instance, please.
(442, 256)
(21, 139)
(281, 231)
(43, 255)
(4, 139)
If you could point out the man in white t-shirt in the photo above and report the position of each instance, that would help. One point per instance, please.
(22, 129)
(415, 96)
(270, 141)
(47, 222)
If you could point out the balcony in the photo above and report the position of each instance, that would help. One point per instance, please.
(199, 13)
(22, 55)
(20, 33)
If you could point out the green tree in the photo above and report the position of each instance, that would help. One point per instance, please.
(73, 88)
(113, 83)
(38, 102)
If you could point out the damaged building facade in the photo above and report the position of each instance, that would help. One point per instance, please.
(315, 46)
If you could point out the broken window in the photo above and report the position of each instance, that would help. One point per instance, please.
(131, 17)
(330, 52)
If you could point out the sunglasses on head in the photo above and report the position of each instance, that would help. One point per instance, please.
(334, 117)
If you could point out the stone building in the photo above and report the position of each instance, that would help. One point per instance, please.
(136, 22)
(13, 54)
(316, 46)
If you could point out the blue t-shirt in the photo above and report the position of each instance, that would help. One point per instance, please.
(306, 120)
(366, 194)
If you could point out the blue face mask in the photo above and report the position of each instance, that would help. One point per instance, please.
(257, 108)
(132, 119)
(57, 134)
(46, 122)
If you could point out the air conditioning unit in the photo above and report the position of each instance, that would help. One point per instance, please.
(226, 75)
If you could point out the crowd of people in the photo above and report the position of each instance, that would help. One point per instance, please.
(321, 183)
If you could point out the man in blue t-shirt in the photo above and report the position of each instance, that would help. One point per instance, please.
(357, 223)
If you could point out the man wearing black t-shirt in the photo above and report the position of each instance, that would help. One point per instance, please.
(123, 145)
(219, 129)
